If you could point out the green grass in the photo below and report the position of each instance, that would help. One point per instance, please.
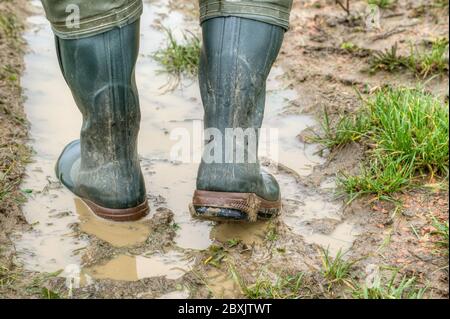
(411, 125)
(405, 288)
(283, 287)
(345, 131)
(11, 29)
(9, 25)
(175, 226)
(433, 61)
(180, 57)
(441, 230)
(8, 72)
(441, 3)
(337, 269)
(8, 277)
(12, 279)
(233, 242)
(406, 134)
(49, 294)
(381, 176)
(422, 62)
(272, 233)
(37, 285)
(349, 46)
(384, 4)
(15, 157)
(13, 153)
(388, 60)
(216, 255)
(353, 48)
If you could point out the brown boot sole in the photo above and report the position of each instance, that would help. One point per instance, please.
(119, 215)
(252, 205)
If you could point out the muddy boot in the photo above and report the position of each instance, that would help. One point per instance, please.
(102, 168)
(237, 56)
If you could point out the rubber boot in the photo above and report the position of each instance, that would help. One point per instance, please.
(236, 58)
(102, 167)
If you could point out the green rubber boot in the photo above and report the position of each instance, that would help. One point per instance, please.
(102, 168)
(236, 59)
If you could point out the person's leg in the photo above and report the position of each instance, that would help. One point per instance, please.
(103, 166)
(75, 19)
(274, 12)
(236, 58)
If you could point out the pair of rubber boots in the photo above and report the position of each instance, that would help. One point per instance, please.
(102, 167)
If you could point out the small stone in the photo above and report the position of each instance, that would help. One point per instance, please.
(408, 213)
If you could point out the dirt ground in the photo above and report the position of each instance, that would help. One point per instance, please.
(325, 76)
(329, 81)
(13, 136)
(13, 125)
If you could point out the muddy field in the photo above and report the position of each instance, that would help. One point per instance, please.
(53, 247)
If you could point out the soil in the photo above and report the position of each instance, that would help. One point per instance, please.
(324, 76)
(14, 153)
(13, 127)
(330, 82)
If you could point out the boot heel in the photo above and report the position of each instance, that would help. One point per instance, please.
(232, 207)
(119, 215)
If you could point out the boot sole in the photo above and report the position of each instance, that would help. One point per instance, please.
(119, 215)
(251, 205)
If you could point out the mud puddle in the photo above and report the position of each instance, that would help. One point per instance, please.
(221, 285)
(172, 265)
(53, 244)
(117, 234)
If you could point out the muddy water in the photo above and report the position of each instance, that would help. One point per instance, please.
(221, 285)
(52, 245)
(172, 265)
(248, 234)
(117, 234)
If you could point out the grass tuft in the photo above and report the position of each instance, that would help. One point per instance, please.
(216, 255)
(441, 230)
(272, 233)
(440, 3)
(406, 134)
(283, 287)
(406, 288)
(349, 46)
(346, 130)
(10, 25)
(337, 269)
(381, 176)
(434, 61)
(384, 4)
(388, 60)
(180, 58)
(423, 63)
(8, 277)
